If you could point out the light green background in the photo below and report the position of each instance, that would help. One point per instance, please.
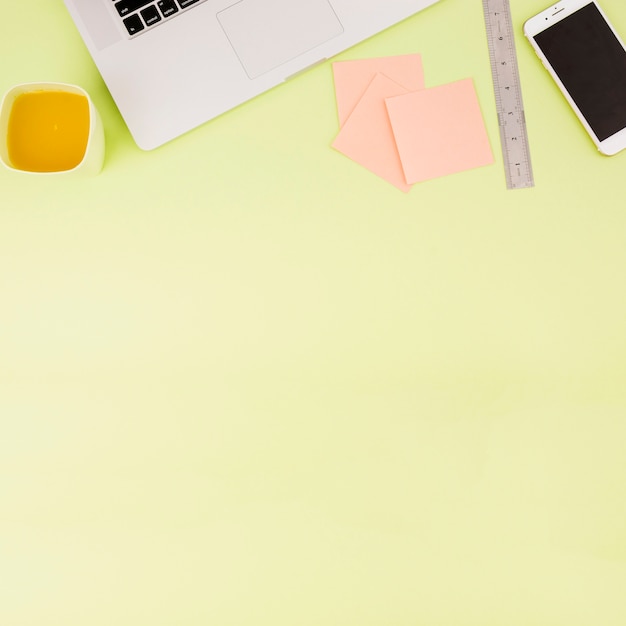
(245, 382)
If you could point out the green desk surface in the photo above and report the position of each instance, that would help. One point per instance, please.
(245, 382)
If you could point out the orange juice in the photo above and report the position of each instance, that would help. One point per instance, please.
(48, 131)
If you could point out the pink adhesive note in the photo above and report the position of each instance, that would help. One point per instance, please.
(439, 131)
(353, 77)
(366, 136)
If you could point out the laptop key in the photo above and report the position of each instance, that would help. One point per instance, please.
(124, 7)
(167, 7)
(185, 3)
(133, 24)
(150, 15)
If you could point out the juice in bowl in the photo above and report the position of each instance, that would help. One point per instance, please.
(50, 128)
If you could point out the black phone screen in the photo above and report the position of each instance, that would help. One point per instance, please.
(591, 64)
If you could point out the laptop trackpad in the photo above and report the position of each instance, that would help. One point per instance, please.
(268, 33)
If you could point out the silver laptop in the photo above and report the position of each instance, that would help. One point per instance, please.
(172, 65)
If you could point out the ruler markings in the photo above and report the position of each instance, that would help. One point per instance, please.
(508, 94)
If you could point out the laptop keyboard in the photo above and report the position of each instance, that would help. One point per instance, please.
(140, 15)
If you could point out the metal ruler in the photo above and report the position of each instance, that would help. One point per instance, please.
(508, 93)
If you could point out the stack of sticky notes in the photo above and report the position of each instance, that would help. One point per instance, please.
(402, 131)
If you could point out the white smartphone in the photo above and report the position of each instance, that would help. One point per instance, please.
(587, 59)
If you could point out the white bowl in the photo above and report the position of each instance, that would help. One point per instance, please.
(93, 158)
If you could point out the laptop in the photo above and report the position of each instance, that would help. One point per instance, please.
(171, 65)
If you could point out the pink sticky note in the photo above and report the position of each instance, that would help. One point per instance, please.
(353, 77)
(366, 136)
(439, 131)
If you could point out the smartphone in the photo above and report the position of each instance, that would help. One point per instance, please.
(587, 59)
